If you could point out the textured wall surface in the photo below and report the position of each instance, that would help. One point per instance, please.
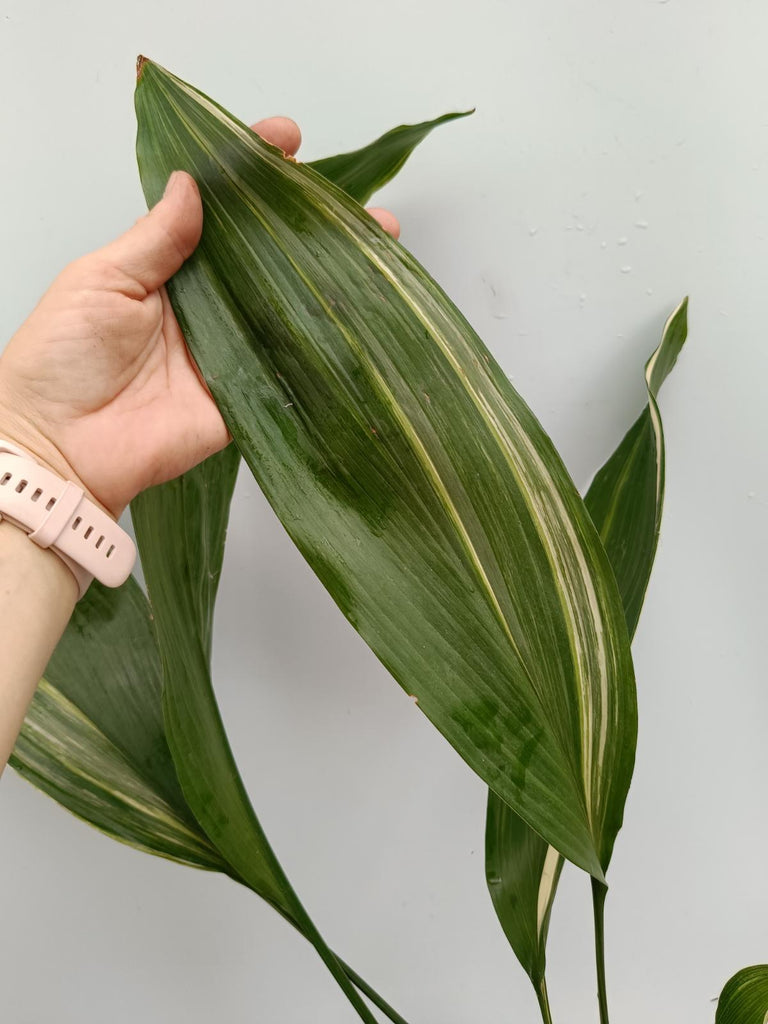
(618, 160)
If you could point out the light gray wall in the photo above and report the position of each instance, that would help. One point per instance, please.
(618, 160)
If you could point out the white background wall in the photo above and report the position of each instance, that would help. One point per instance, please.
(618, 160)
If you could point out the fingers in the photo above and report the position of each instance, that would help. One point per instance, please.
(286, 134)
(157, 245)
(388, 220)
(281, 132)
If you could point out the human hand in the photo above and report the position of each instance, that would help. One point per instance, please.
(98, 383)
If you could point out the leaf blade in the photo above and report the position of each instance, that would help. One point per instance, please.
(626, 497)
(65, 755)
(744, 1000)
(364, 171)
(571, 782)
(93, 738)
(522, 872)
(181, 567)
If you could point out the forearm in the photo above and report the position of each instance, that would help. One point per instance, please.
(37, 596)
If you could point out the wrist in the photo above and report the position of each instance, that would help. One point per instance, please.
(57, 513)
(20, 431)
(24, 565)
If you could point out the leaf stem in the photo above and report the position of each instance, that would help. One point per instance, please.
(543, 998)
(599, 892)
(330, 960)
(347, 978)
(372, 994)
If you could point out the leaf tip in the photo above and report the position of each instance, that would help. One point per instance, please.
(141, 60)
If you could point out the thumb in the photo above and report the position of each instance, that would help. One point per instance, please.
(157, 245)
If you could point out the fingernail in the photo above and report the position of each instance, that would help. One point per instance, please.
(173, 183)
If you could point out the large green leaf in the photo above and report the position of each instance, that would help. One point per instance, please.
(625, 502)
(744, 1000)
(363, 171)
(94, 738)
(411, 475)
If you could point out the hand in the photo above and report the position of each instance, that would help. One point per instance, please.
(98, 383)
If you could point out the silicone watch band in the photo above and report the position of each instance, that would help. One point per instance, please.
(56, 514)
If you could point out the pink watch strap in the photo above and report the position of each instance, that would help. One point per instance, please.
(56, 514)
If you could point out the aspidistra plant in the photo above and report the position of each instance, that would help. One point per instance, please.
(414, 479)
(456, 544)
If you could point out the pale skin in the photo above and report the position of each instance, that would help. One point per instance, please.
(98, 385)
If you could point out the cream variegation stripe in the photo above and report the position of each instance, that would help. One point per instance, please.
(547, 887)
(584, 641)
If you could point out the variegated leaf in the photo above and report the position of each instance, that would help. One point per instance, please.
(407, 469)
(625, 502)
(94, 738)
(66, 755)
